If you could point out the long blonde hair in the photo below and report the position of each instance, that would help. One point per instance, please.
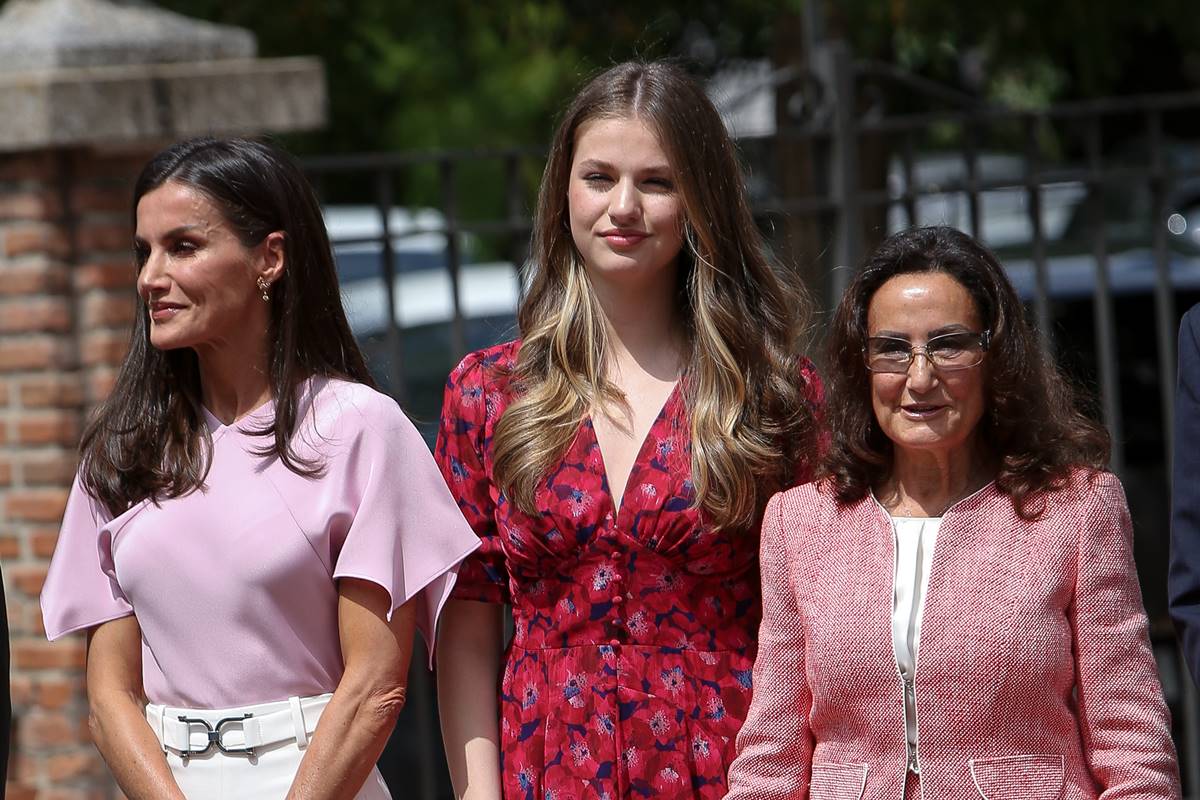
(752, 429)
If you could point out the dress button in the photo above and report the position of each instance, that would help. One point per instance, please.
(619, 599)
(615, 642)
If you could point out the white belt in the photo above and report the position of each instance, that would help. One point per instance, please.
(236, 731)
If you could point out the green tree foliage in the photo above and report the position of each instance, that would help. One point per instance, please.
(409, 75)
(1032, 53)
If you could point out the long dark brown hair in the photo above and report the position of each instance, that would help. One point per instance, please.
(1032, 424)
(149, 438)
(751, 427)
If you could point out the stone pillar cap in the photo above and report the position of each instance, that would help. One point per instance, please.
(54, 34)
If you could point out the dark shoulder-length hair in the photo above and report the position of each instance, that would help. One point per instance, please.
(752, 427)
(1032, 424)
(149, 438)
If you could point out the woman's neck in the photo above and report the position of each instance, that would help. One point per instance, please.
(643, 328)
(925, 483)
(234, 380)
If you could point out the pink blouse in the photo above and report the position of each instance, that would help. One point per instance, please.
(234, 585)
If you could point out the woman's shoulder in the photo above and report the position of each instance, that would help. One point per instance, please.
(1087, 488)
(487, 366)
(345, 407)
(815, 503)
(479, 387)
(1062, 502)
(806, 524)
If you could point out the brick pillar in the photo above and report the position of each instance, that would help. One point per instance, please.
(66, 303)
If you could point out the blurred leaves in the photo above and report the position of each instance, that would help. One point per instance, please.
(1028, 53)
(414, 75)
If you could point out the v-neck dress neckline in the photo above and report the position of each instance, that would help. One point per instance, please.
(648, 440)
(259, 415)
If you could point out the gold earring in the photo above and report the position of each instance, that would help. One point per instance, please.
(262, 287)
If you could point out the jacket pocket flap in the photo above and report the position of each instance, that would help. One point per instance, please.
(1025, 777)
(838, 781)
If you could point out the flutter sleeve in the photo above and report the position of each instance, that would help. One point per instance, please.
(81, 589)
(405, 532)
(461, 444)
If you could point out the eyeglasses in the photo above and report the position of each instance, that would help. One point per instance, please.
(948, 352)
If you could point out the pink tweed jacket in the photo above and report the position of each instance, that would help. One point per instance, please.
(1035, 677)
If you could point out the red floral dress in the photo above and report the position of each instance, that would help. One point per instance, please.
(629, 673)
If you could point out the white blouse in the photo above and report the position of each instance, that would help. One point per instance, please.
(916, 538)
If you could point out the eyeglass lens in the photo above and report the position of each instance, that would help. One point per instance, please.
(948, 352)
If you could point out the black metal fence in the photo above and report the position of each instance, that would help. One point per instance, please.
(1094, 208)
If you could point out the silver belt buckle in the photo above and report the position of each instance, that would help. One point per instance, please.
(214, 733)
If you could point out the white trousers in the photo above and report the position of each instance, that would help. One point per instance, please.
(276, 733)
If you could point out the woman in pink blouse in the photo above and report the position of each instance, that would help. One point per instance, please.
(615, 462)
(952, 611)
(254, 531)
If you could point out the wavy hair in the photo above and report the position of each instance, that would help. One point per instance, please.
(149, 438)
(1032, 423)
(751, 426)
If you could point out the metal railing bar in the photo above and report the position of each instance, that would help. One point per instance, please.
(774, 206)
(485, 227)
(1123, 174)
(392, 335)
(971, 156)
(421, 691)
(1064, 111)
(908, 161)
(1102, 304)
(1041, 274)
(1116, 176)
(845, 183)
(517, 220)
(930, 88)
(458, 336)
(1164, 298)
(365, 162)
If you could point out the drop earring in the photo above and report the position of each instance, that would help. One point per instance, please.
(262, 287)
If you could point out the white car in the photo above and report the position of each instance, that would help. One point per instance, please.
(421, 283)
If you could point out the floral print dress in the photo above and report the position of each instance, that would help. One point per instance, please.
(629, 672)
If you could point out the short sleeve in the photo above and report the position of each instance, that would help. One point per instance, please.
(81, 589)
(461, 443)
(406, 533)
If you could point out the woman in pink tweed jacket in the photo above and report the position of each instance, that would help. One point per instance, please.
(953, 611)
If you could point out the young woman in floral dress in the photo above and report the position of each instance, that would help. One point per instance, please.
(615, 463)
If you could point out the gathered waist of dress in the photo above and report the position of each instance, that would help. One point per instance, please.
(604, 648)
(671, 623)
(614, 633)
